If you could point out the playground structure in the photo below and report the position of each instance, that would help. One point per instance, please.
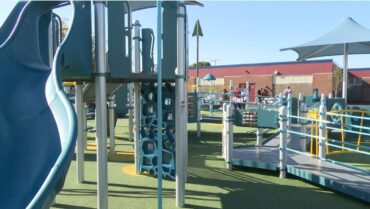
(50, 59)
(305, 142)
(49, 125)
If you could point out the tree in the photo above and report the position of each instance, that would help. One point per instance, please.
(337, 80)
(201, 64)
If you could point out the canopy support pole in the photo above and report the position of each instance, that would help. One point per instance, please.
(345, 73)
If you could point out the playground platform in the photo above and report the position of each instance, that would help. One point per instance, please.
(335, 177)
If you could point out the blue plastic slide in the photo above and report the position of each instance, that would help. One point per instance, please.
(37, 122)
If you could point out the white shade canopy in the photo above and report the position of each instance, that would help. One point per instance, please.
(347, 31)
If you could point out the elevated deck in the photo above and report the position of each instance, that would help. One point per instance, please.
(335, 177)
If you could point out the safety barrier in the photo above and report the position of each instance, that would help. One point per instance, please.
(322, 122)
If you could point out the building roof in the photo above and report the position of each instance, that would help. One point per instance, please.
(283, 68)
(359, 72)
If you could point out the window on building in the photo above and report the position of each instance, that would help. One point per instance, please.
(292, 79)
(354, 81)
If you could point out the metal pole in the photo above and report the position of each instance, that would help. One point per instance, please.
(159, 99)
(246, 94)
(300, 101)
(283, 140)
(197, 64)
(259, 130)
(224, 121)
(281, 99)
(111, 106)
(199, 116)
(345, 73)
(322, 128)
(303, 122)
(84, 124)
(130, 113)
(181, 110)
(137, 106)
(289, 104)
(230, 90)
(101, 106)
(229, 136)
(80, 140)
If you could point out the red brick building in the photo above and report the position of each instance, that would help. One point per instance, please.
(359, 85)
(275, 77)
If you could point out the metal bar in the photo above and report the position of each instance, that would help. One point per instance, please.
(349, 149)
(130, 86)
(229, 136)
(345, 72)
(159, 100)
(349, 144)
(101, 106)
(224, 119)
(322, 128)
(80, 140)
(130, 113)
(299, 152)
(181, 110)
(84, 124)
(137, 106)
(303, 112)
(348, 116)
(259, 130)
(199, 116)
(348, 131)
(283, 141)
(341, 128)
(111, 106)
(348, 166)
(360, 131)
(300, 134)
(290, 106)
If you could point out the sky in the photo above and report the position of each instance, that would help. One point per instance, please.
(245, 32)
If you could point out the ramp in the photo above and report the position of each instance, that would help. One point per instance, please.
(335, 177)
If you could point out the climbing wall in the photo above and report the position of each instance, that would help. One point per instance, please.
(149, 128)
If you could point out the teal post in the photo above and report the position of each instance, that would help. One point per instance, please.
(159, 99)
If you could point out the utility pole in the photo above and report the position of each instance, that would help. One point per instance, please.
(214, 61)
(197, 32)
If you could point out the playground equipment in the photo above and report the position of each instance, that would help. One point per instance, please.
(72, 61)
(286, 153)
(38, 135)
(349, 123)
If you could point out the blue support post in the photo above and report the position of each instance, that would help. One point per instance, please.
(159, 99)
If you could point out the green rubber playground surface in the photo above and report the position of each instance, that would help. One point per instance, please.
(209, 185)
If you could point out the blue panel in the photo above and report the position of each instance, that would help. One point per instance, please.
(77, 56)
(147, 50)
(169, 61)
(119, 61)
(121, 100)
